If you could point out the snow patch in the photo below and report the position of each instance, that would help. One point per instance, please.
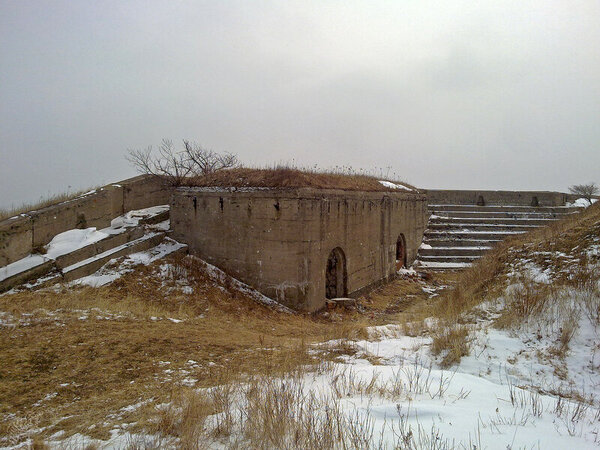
(390, 185)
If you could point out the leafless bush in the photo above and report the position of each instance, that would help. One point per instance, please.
(175, 166)
(586, 191)
(202, 161)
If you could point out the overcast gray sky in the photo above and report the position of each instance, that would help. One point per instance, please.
(450, 94)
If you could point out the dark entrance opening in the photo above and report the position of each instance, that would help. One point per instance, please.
(535, 202)
(336, 275)
(480, 201)
(400, 253)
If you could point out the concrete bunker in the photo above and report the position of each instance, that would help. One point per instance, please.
(336, 275)
(301, 246)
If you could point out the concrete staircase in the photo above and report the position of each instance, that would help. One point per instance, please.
(146, 232)
(458, 235)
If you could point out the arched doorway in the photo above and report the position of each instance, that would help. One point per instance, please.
(480, 201)
(400, 252)
(535, 201)
(336, 275)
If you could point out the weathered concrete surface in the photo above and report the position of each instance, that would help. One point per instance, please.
(142, 192)
(29, 274)
(482, 198)
(279, 241)
(21, 234)
(16, 239)
(93, 210)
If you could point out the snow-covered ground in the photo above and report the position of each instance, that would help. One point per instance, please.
(530, 383)
(389, 392)
(405, 401)
(582, 202)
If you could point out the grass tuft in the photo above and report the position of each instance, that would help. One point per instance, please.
(6, 213)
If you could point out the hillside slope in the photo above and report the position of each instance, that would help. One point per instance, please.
(168, 356)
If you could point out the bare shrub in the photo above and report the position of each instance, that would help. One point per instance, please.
(587, 191)
(176, 166)
(202, 161)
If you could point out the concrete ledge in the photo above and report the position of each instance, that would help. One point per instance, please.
(27, 275)
(91, 265)
(98, 247)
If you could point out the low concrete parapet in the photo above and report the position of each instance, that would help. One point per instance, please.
(22, 234)
(485, 198)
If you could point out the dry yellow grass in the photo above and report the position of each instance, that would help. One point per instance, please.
(285, 177)
(73, 358)
(487, 279)
(450, 341)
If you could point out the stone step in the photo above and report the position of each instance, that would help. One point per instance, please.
(92, 264)
(497, 214)
(449, 258)
(453, 251)
(457, 235)
(98, 247)
(490, 221)
(460, 242)
(471, 235)
(155, 218)
(510, 209)
(17, 277)
(442, 266)
(445, 226)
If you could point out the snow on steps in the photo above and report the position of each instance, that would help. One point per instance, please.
(80, 252)
(458, 235)
(92, 264)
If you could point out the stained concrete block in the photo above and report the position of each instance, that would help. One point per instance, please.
(279, 241)
(144, 191)
(92, 210)
(16, 237)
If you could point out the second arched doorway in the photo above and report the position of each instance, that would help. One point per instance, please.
(400, 252)
(336, 274)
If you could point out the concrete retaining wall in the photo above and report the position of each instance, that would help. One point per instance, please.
(279, 241)
(520, 198)
(20, 235)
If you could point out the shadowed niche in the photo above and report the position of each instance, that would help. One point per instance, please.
(336, 274)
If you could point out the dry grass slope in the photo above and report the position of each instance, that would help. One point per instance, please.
(488, 279)
(73, 358)
(286, 177)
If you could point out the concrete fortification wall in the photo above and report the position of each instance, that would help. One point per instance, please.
(482, 198)
(21, 234)
(279, 241)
